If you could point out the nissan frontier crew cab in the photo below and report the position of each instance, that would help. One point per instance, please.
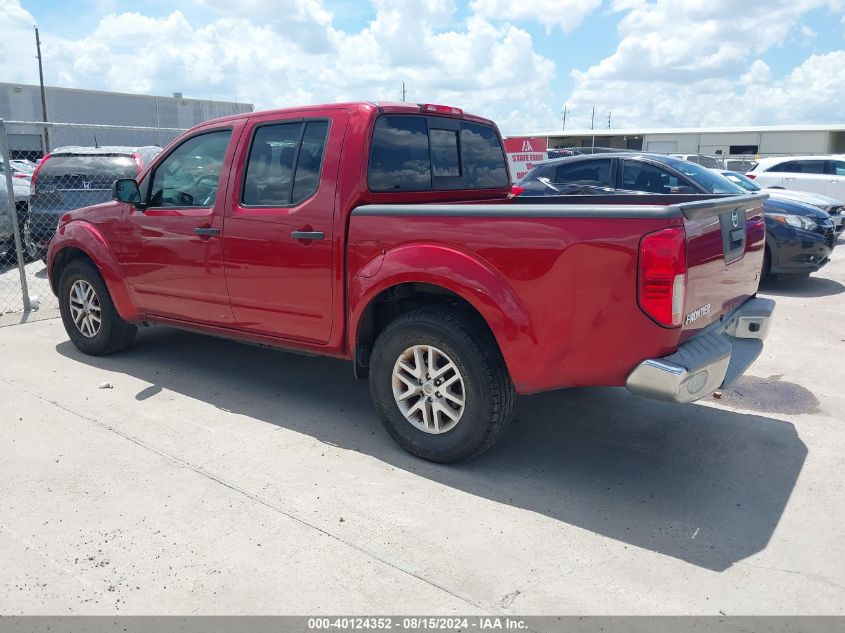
(386, 234)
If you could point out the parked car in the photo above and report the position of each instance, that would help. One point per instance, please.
(19, 202)
(622, 172)
(700, 159)
(21, 169)
(817, 174)
(388, 236)
(800, 237)
(740, 165)
(73, 177)
(834, 208)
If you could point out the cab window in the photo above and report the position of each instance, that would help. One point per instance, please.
(284, 163)
(190, 175)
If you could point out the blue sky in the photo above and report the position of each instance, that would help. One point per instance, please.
(652, 63)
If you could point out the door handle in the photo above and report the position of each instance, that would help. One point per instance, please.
(206, 231)
(307, 235)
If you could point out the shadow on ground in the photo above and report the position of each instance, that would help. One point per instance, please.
(700, 484)
(798, 286)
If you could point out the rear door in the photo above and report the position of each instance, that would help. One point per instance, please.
(278, 245)
(805, 175)
(836, 179)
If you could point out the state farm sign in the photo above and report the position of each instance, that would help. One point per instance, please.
(523, 152)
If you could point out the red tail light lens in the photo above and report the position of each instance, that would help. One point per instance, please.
(35, 174)
(663, 276)
(751, 176)
(516, 190)
(137, 157)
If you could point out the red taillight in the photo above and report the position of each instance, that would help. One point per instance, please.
(751, 176)
(516, 190)
(35, 174)
(138, 164)
(18, 174)
(441, 109)
(663, 276)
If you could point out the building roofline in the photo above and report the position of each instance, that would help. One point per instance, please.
(828, 127)
(5, 84)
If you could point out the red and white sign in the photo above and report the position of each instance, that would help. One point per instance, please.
(523, 152)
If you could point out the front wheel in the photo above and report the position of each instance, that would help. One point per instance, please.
(440, 384)
(88, 313)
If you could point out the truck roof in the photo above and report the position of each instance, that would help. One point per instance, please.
(391, 107)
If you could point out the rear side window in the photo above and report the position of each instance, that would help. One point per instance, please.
(801, 167)
(418, 153)
(593, 173)
(284, 163)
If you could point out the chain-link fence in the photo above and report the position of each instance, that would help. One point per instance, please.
(78, 171)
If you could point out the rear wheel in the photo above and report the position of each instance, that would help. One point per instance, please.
(440, 384)
(88, 313)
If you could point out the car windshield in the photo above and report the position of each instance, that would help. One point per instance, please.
(742, 181)
(712, 182)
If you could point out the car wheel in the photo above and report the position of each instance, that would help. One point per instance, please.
(440, 384)
(31, 249)
(88, 313)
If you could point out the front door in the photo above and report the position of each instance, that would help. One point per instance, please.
(279, 247)
(172, 250)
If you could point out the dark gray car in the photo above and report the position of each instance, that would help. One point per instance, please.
(74, 177)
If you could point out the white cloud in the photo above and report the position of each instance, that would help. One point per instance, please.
(565, 14)
(485, 67)
(688, 62)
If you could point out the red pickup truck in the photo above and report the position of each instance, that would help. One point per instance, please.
(386, 234)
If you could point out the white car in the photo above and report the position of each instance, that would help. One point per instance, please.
(816, 174)
(833, 207)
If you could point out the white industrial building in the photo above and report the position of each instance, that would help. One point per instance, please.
(752, 140)
(22, 102)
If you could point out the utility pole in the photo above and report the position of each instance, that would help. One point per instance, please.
(593, 125)
(564, 118)
(608, 119)
(43, 96)
(403, 91)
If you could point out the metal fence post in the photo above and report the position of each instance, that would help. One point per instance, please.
(5, 154)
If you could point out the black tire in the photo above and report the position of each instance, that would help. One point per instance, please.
(31, 249)
(113, 334)
(487, 388)
(767, 264)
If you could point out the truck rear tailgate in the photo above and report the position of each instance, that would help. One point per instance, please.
(725, 247)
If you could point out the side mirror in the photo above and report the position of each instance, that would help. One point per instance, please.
(126, 190)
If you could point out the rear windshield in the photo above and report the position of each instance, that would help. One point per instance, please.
(105, 166)
(420, 153)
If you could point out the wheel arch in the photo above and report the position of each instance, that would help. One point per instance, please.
(406, 282)
(81, 240)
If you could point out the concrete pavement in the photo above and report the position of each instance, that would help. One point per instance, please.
(220, 478)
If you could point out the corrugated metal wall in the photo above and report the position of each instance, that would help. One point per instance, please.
(20, 102)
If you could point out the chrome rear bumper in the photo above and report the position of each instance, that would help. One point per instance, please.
(712, 359)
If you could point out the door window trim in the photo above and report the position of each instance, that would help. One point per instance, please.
(303, 122)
